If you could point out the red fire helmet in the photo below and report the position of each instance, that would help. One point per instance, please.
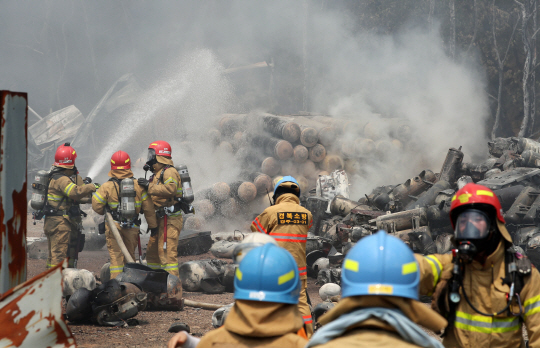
(161, 148)
(65, 156)
(120, 160)
(475, 196)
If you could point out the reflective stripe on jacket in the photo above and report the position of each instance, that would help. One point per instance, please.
(63, 192)
(288, 223)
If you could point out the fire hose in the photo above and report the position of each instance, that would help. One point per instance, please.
(202, 305)
(116, 234)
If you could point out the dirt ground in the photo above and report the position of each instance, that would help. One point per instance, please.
(153, 326)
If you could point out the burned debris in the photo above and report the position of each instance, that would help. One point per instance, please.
(417, 210)
(116, 302)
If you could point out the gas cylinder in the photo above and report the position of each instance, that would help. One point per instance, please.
(127, 199)
(187, 190)
(39, 190)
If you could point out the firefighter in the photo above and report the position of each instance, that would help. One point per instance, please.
(165, 189)
(486, 290)
(107, 198)
(379, 305)
(289, 223)
(265, 313)
(62, 212)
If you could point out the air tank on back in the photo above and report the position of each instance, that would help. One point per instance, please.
(39, 190)
(187, 190)
(127, 199)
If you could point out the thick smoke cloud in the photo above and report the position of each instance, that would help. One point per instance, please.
(369, 77)
(68, 52)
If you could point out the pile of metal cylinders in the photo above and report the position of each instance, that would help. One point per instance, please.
(237, 200)
(308, 146)
(268, 147)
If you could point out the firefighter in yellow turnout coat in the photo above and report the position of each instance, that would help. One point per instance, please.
(494, 289)
(288, 223)
(108, 195)
(164, 187)
(62, 213)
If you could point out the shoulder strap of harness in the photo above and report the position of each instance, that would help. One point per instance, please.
(116, 184)
(54, 175)
(163, 172)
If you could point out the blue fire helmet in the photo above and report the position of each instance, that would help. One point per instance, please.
(380, 264)
(289, 182)
(267, 274)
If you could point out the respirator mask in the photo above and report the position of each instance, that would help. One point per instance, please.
(150, 160)
(471, 232)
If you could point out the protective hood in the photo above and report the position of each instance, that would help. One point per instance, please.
(263, 319)
(165, 160)
(65, 166)
(288, 198)
(68, 170)
(504, 231)
(414, 310)
(121, 173)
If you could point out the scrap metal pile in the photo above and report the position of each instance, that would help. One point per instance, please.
(417, 211)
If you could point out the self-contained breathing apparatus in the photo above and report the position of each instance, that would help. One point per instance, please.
(475, 237)
(181, 203)
(126, 213)
(40, 202)
(478, 222)
(42, 207)
(40, 187)
(517, 266)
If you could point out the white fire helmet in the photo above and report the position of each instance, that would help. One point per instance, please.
(251, 241)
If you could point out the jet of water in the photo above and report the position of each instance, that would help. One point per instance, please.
(194, 77)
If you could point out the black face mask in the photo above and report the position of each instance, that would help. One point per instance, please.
(151, 160)
(468, 249)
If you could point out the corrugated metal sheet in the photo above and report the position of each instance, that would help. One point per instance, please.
(13, 144)
(31, 313)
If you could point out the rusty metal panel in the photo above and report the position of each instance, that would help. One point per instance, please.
(31, 313)
(13, 146)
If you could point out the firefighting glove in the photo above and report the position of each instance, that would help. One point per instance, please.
(154, 231)
(143, 182)
(87, 180)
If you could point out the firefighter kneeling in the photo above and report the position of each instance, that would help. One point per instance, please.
(487, 289)
(124, 199)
